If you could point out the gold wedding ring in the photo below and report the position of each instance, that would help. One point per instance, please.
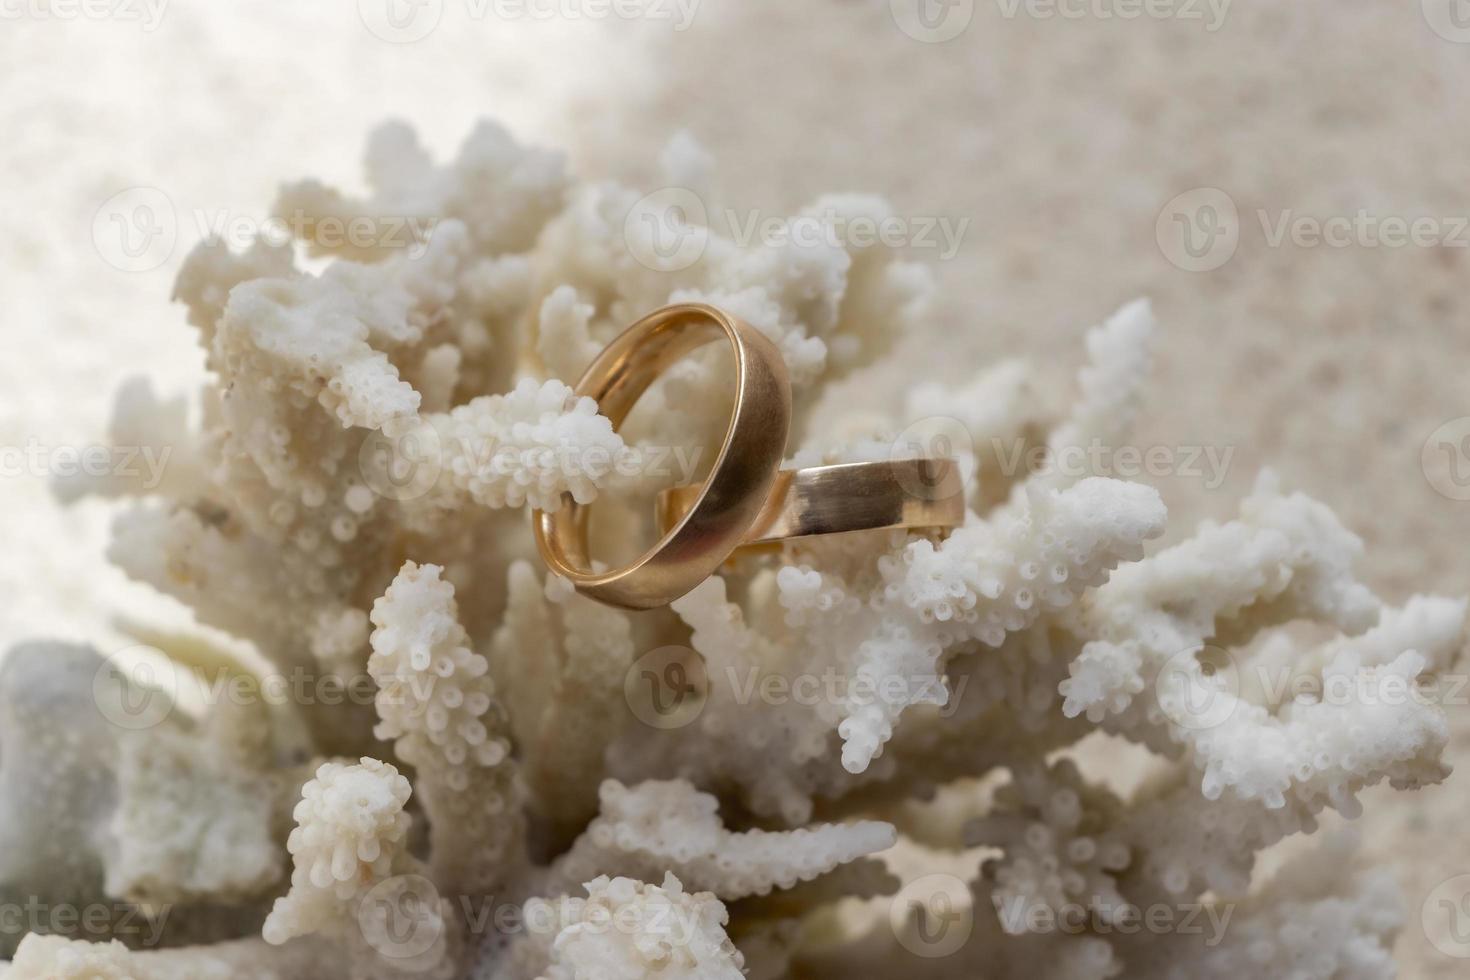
(918, 494)
(731, 500)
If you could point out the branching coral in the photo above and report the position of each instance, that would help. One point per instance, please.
(625, 929)
(437, 704)
(540, 786)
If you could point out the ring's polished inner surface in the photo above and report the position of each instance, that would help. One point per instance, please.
(908, 493)
(731, 499)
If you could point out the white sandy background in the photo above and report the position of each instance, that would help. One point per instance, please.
(1061, 140)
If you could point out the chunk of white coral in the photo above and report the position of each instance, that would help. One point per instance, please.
(196, 819)
(562, 659)
(437, 704)
(1287, 558)
(1059, 851)
(627, 930)
(529, 446)
(669, 825)
(1111, 388)
(987, 580)
(1319, 917)
(351, 835)
(58, 958)
(503, 191)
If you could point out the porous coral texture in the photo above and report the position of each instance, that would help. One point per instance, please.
(539, 786)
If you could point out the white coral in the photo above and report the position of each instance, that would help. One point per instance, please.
(671, 826)
(351, 503)
(528, 447)
(351, 832)
(626, 930)
(437, 705)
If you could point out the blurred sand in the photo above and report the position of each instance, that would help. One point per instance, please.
(1059, 139)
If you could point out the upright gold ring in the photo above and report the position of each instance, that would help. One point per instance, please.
(731, 499)
(917, 494)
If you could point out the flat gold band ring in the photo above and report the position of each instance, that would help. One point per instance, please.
(731, 499)
(920, 494)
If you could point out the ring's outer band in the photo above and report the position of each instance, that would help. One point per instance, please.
(739, 483)
(922, 494)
